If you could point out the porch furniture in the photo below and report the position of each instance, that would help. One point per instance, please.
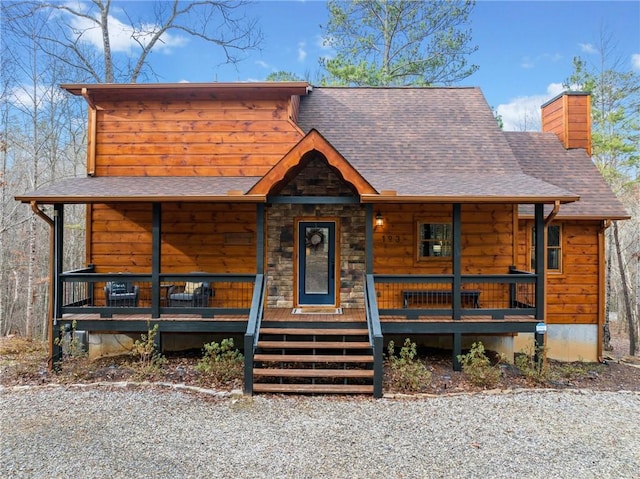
(164, 293)
(192, 294)
(121, 294)
(469, 297)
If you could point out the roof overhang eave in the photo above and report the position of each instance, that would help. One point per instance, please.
(233, 198)
(561, 217)
(468, 199)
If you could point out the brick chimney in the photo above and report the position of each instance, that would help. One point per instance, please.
(568, 115)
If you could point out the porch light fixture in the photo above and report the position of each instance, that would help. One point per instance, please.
(379, 219)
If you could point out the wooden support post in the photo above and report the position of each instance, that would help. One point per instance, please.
(58, 265)
(368, 228)
(260, 226)
(378, 366)
(156, 259)
(540, 274)
(457, 350)
(456, 258)
(249, 339)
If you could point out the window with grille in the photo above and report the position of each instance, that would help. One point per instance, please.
(434, 240)
(554, 248)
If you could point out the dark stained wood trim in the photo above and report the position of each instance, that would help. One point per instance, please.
(541, 277)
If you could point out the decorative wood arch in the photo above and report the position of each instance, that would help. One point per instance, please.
(292, 161)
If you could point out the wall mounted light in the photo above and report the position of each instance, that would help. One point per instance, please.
(379, 219)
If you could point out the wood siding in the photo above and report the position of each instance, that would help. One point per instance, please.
(572, 295)
(216, 238)
(192, 138)
(487, 239)
(569, 117)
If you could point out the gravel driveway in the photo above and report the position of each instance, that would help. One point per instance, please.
(127, 432)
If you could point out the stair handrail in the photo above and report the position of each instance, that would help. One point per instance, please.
(376, 340)
(251, 335)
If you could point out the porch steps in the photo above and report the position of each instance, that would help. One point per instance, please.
(313, 358)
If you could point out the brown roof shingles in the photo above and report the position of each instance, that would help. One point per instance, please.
(442, 142)
(147, 188)
(542, 155)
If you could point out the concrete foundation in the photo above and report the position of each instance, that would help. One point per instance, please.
(572, 342)
(101, 345)
(499, 344)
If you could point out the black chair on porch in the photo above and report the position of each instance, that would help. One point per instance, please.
(191, 295)
(121, 294)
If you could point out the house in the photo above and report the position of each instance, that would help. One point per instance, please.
(320, 222)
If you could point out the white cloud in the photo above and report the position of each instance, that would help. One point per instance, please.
(263, 64)
(123, 38)
(523, 113)
(635, 61)
(323, 43)
(528, 62)
(587, 48)
(302, 52)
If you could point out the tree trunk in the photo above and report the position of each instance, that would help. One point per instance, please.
(606, 328)
(626, 295)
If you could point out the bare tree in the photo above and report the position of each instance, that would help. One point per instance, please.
(616, 128)
(43, 136)
(81, 34)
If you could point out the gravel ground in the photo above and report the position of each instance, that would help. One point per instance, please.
(134, 432)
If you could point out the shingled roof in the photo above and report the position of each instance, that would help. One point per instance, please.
(441, 143)
(542, 155)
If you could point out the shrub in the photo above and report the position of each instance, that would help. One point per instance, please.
(222, 362)
(532, 365)
(406, 374)
(477, 366)
(144, 349)
(70, 344)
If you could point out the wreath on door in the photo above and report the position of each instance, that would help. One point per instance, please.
(314, 239)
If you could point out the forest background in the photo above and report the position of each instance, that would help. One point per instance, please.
(43, 131)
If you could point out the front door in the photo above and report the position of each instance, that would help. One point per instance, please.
(316, 263)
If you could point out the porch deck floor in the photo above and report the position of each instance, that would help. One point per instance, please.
(145, 317)
(285, 314)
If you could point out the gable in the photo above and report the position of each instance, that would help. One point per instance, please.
(313, 145)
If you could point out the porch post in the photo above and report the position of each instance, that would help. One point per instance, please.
(368, 229)
(156, 256)
(260, 226)
(540, 270)
(456, 258)
(58, 265)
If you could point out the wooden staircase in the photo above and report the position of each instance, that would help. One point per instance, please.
(313, 358)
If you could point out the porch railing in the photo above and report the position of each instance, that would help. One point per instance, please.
(86, 292)
(251, 336)
(494, 295)
(375, 333)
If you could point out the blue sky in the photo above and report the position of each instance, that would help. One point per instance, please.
(525, 48)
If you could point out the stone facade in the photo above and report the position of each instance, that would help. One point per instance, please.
(315, 179)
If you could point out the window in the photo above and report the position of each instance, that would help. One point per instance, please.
(435, 240)
(554, 248)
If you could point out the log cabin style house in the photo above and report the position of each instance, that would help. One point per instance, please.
(318, 222)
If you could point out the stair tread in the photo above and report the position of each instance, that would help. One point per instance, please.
(314, 344)
(313, 388)
(313, 373)
(314, 358)
(316, 331)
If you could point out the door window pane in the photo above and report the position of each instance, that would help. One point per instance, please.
(316, 270)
